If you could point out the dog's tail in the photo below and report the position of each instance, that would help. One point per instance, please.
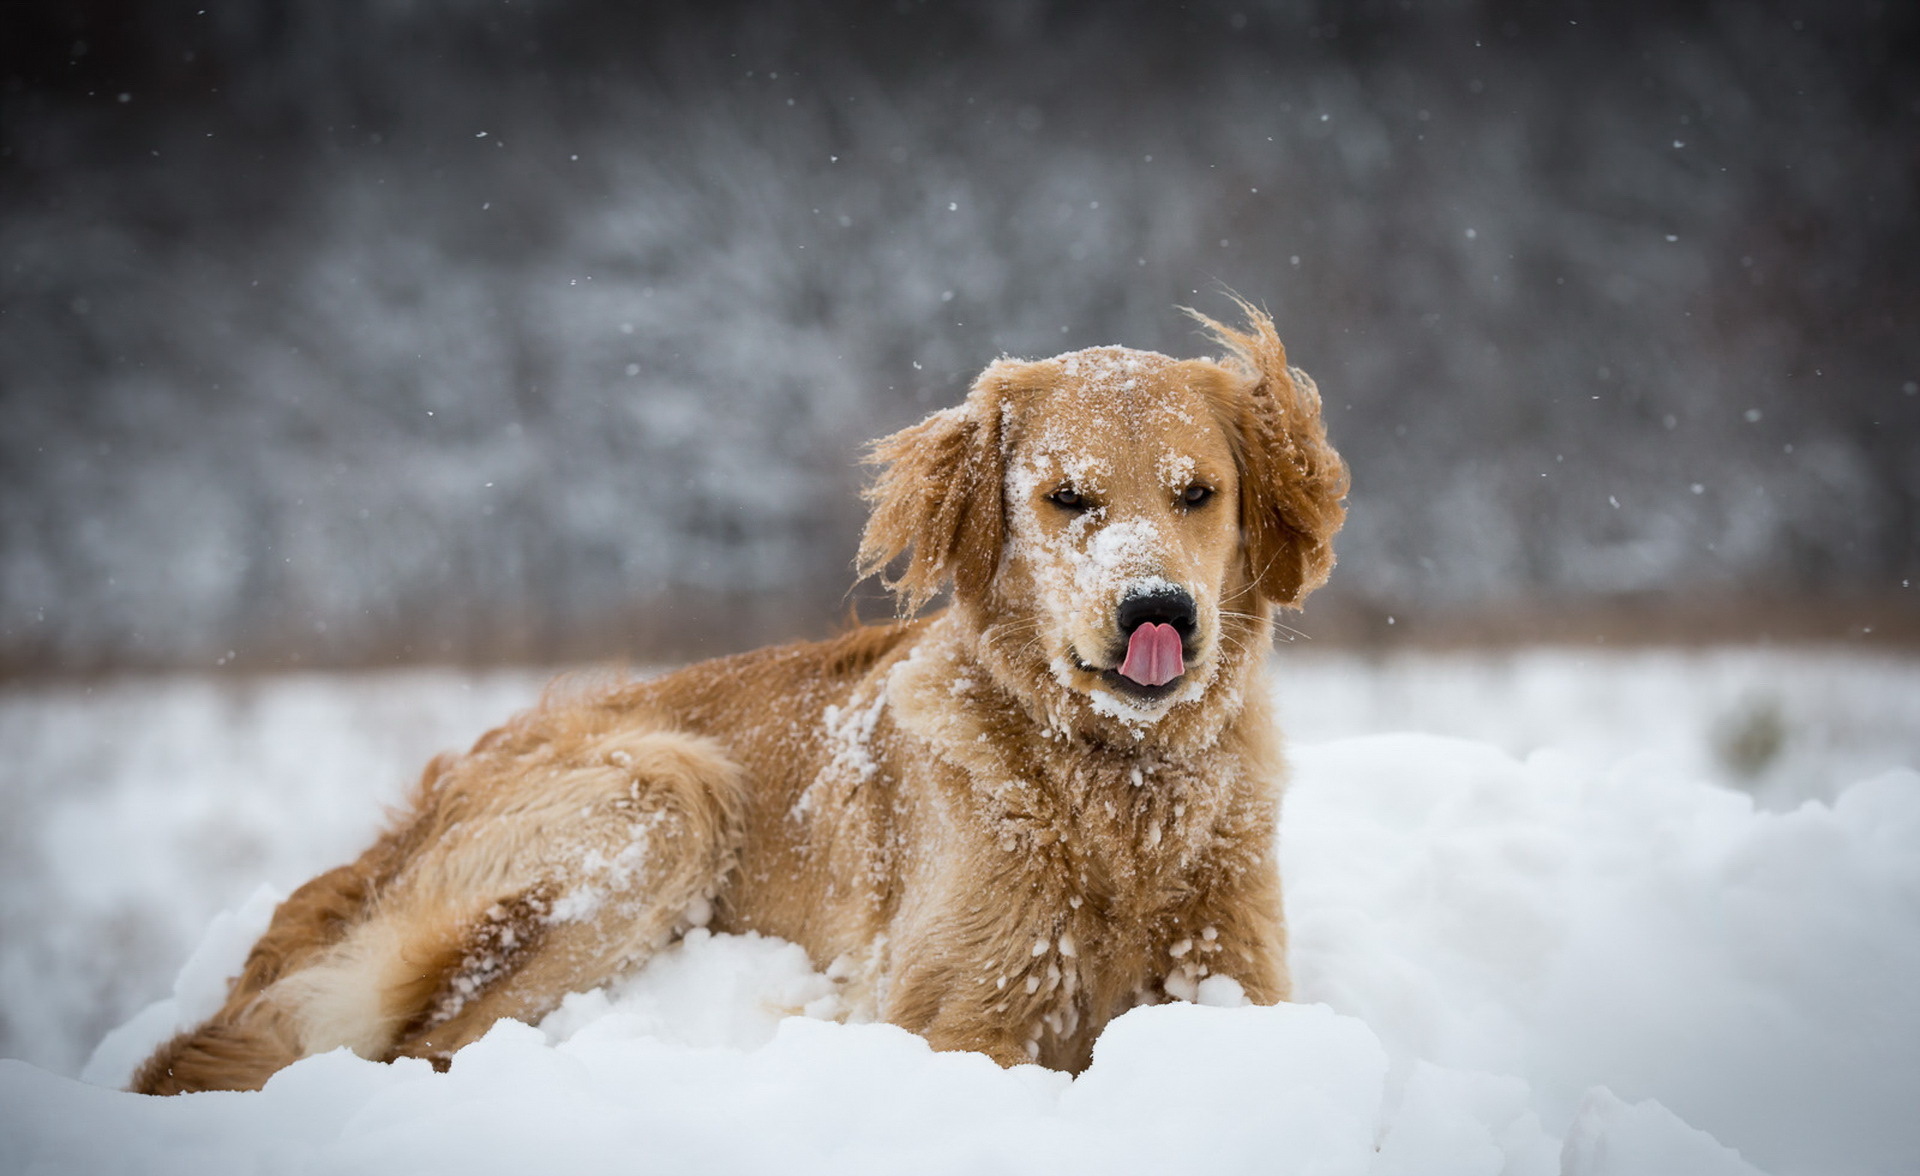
(250, 1038)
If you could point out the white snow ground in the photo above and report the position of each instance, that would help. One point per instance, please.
(1610, 913)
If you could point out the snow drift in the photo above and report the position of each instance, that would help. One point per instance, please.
(1504, 965)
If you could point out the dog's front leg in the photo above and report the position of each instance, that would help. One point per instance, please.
(1233, 927)
(990, 1009)
(1003, 982)
(964, 1023)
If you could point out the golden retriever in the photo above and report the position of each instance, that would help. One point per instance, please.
(1000, 825)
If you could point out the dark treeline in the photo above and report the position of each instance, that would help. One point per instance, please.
(340, 331)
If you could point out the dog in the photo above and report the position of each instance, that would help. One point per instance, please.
(999, 824)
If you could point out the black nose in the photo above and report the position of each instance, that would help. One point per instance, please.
(1164, 606)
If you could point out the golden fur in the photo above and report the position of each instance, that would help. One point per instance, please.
(970, 820)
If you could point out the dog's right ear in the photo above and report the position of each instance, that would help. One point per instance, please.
(939, 497)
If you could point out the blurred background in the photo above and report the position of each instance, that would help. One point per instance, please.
(363, 332)
(435, 343)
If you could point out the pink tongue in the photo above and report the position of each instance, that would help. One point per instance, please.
(1153, 655)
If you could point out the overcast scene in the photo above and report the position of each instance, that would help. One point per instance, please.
(365, 362)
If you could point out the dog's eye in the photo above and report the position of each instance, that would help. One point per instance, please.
(1196, 494)
(1067, 497)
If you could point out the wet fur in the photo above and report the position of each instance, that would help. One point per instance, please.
(953, 820)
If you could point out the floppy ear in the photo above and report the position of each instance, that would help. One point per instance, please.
(939, 496)
(1292, 483)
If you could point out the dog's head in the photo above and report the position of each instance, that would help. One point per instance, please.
(1123, 521)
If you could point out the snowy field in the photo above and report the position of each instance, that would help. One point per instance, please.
(1552, 912)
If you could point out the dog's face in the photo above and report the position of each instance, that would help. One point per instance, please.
(1118, 524)
(1122, 524)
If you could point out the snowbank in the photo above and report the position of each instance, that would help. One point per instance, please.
(1750, 970)
(1504, 966)
(1291, 1089)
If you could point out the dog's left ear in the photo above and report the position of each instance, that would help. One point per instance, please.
(1293, 485)
(939, 496)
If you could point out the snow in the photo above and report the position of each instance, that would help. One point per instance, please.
(1535, 917)
(1549, 935)
(1642, 1140)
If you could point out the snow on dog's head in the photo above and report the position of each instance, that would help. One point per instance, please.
(1117, 523)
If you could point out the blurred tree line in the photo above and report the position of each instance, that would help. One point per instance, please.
(345, 331)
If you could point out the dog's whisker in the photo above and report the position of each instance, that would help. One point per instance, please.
(1252, 619)
(1293, 633)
